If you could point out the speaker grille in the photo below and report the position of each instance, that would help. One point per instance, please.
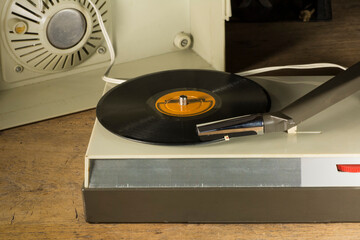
(30, 33)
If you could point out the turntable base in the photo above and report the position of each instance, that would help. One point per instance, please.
(272, 178)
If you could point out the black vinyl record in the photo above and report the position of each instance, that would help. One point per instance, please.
(164, 107)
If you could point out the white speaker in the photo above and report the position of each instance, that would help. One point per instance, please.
(46, 53)
(43, 44)
(52, 59)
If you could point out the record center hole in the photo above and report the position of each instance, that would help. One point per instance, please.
(183, 100)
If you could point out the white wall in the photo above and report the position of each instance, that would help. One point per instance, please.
(208, 29)
(144, 28)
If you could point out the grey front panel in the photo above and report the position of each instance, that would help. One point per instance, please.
(201, 173)
(222, 205)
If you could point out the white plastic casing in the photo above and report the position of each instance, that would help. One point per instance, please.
(143, 35)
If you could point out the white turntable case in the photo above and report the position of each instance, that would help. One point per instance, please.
(268, 164)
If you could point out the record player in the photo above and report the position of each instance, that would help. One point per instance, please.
(308, 174)
(279, 177)
(143, 164)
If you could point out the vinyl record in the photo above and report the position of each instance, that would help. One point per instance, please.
(164, 107)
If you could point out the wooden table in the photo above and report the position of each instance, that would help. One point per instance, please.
(41, 174)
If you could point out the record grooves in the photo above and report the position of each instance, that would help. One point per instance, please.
(164, 107)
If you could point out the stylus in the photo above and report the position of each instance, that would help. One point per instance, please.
(317, 100)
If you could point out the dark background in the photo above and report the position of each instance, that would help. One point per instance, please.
(272, 42)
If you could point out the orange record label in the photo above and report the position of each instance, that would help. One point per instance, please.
(185, 103)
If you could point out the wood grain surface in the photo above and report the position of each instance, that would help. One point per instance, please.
(41, 174)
